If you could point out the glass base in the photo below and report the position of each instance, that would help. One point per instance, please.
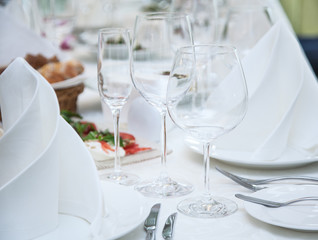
(122, 178)
(207, 207)
(164, 187)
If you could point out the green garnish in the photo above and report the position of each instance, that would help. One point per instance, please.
(68, 115)
(87, 130)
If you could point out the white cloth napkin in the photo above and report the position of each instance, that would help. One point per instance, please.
(45, 169)
(283, 99)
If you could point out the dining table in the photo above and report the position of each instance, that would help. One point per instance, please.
(186, 163)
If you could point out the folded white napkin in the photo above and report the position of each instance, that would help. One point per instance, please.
(45, 168)
(283, 99)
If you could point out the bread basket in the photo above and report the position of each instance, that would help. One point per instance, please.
(65, 77)
(67, 97)
(68, 91)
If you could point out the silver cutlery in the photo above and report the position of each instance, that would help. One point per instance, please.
(273, 204)
(150, 223)
(251, 183)
(238, 180)
(167, 231)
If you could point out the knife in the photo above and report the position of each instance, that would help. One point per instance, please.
(151, 222)
(167, 231)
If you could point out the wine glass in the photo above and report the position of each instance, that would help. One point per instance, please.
(57, 19)
(155, 41)
(206, 98)
(203, 17)
(245, 24)
(114, 86)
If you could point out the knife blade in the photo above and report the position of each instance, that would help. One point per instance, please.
(150, 223)
(167, 231)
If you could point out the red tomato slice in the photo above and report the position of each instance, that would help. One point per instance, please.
(135, 148)
(90, 127)
(106, 146)
(128, 139)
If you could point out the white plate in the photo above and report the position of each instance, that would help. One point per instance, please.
(127, 210)
(301, 216)
(290, 158)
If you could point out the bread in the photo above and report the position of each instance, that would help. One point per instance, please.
(59, 71)
(37, 61)
(52, 69)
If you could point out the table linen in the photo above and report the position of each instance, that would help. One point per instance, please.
(45, 167)
(283, 95)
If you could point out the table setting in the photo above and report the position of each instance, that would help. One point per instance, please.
(171, 130)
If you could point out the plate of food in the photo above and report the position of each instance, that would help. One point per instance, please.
(100, 143)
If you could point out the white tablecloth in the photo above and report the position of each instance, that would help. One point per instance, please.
(186, 164)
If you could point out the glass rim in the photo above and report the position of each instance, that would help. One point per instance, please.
(162, 15)
(249, 8)
(113, 30)
(226, 47)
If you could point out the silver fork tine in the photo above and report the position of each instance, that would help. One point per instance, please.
(275, 179)
(273, 204)
(267, 180)
(240, 181)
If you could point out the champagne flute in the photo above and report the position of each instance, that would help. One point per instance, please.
(206, 98)
(114, 86)
(156, 39)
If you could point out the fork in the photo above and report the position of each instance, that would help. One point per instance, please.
(273, 204)
(268, 180)
(239, 180)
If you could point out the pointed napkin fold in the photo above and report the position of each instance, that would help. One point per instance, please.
(283, 99)
(44, 166)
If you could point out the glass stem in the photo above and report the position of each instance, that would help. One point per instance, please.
(116, 115)
(206, 157)
(163, 144)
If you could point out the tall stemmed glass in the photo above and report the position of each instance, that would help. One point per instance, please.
(155, 41)
(114, 85)
(246, 24)
(207, 103)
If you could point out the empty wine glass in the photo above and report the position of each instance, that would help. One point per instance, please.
(207, 103)
(203, 16)
(56, 18)
(155, 41)
(114, 86)
(245, 24)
